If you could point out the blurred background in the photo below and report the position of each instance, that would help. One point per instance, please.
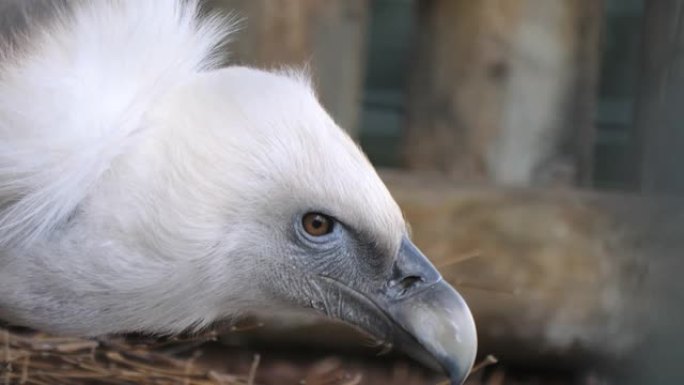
(536, 147)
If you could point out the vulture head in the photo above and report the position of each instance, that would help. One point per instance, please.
(143, 188)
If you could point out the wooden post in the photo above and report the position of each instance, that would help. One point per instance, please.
(454, 102)
(495, 95)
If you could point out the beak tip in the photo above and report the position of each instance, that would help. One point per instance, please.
(457, 373)
(462, 359)
(447, 331)
(458, 367)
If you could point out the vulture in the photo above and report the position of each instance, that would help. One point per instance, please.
(146, 187)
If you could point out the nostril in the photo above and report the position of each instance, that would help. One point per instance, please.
(409, 282)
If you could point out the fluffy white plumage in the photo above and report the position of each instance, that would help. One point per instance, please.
(74, 97)
(141, 188)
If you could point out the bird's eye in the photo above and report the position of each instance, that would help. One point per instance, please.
(316, 224)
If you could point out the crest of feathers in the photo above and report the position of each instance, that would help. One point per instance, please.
(73, 93)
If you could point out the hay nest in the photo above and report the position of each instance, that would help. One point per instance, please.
(33, 358)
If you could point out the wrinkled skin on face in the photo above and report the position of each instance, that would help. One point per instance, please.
(405, 303)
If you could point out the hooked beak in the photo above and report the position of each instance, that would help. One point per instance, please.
(431, 313)
(418, 312)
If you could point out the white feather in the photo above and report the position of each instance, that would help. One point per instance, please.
(72, 101)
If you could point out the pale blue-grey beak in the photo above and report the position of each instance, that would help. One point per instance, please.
(412, 308)
(431, 312)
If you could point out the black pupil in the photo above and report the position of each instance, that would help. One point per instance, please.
(317, 223)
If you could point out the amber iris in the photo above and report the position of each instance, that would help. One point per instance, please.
(316, 224)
